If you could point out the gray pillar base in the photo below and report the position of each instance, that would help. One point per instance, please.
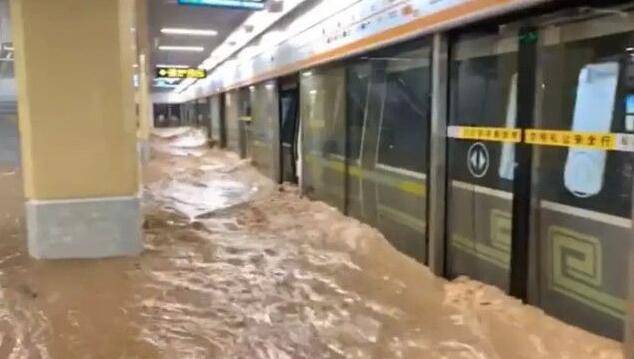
(145, 151)
(84, 228)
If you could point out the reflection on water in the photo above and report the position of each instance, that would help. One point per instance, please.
(235, 267)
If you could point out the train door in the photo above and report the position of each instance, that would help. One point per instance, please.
(232, 121)
(388, 136)
(183, 117)
(223, 121)
(202, 114)
(244, 116)
(289, 129)
(217, 128)
(191, 113)
(264, 130)
(582, 186)
(323, 134)
(207, 121)
(480, 173)
(358, 88)
(182, 114)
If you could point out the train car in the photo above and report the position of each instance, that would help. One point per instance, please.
(217, 129)
(495, 147)
(289, 128)
(232, 121)
(264, 129)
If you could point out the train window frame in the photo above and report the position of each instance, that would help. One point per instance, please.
(422, 60)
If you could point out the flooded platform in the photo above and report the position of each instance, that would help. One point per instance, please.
(235, 266)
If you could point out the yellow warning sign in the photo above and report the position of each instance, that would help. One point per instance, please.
(495, 134)
(179, 73)
(591, 140)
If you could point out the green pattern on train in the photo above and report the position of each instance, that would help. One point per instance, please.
(578, 271)
(498, 250)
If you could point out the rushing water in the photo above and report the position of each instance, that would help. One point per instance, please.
(236, 267)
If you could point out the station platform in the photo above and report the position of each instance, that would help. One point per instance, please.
(235, 266)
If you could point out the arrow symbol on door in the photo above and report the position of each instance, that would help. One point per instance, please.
(478, 160)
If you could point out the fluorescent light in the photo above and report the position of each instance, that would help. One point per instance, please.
(166, 80)
(165, 86)
(173, 66)
(182, 48)
(307, 74)
(236, 4)
(8, 48)
(192, 32)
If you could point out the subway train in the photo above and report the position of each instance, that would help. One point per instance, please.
(485, 149)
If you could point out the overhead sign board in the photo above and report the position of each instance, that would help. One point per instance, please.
(178, 73)
(231, 4)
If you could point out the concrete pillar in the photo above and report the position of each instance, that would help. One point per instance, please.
(74, 66)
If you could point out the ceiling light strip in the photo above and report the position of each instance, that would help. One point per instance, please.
(182, 48)
(190, 32)
(173, 66)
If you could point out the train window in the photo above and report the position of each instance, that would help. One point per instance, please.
(358, 81)
(582, 221)
(483, 88)
(244, 113)
(405, 119)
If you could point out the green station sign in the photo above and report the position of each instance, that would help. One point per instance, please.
(179, 73)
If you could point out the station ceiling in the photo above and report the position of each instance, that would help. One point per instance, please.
(169, 14)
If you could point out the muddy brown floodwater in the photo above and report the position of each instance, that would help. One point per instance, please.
(236, 267)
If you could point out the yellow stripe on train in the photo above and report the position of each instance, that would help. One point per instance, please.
(495, 134)
(591, 140)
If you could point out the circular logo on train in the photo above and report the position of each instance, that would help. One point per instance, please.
(478, 160)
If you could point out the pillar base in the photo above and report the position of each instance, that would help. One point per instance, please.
(145, 151)
(84, 228)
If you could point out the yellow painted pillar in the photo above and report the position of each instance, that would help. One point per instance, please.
(74, 67)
